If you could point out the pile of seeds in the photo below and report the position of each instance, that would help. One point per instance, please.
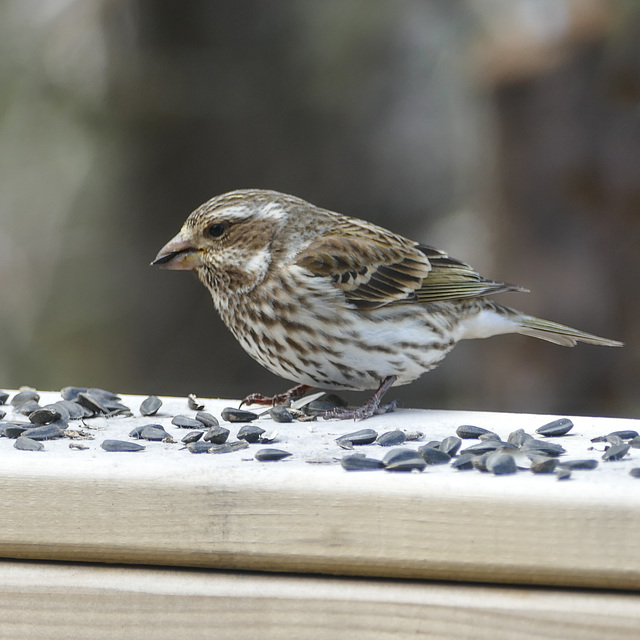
(70, 417)
(519, 452)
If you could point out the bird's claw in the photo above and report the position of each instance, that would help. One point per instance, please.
(367, 410)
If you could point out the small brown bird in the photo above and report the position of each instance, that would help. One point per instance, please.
(329, 301)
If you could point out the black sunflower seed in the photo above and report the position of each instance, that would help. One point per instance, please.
(85, 399)
(463, 462)
(207, 419)
(27, 444)
(74, 409)
(4, 396)
(480, 462)
(563, 474)
(28, 407)
(519, 437)
(71, 393)
(154, 433)
(625, 434)
(450, 445)
(500, 463)
(616, 452)
(185, 422)
(2, 414)
(25, 396)
(44, 415)
(483, 437)
(250, 433)
(216, 435)
(199, 447)
(193, 402)
(543, 447)
(121, 445)
(391, 438)
(635, 472)
(467, 431)
(578, 464)
(192, 436)
(150, 406)
(46, 432)
(362, 436)
(12, 431)
(228, 447)
(555, 428)
(267, 455)
(484, 447)
(360, 462)
(433, 456)
(403, 460)
(543, 464)
(280, 413)
(635, 442)
(238, 415)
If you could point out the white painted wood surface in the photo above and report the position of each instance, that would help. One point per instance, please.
(166, 506)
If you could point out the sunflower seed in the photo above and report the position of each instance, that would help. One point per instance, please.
(391, 438)
(484, 447)
(207, 419)
(625, 434)
(267, 455)
(403, 460)
(228, 447)
(12, 431)
(563, 474)
(542, 464)
(121, 445)
(216, 435)
(238, 415)
(578, 464)
(362, 436)
(25, 396)
(185, 422)
(73, 409)
(154, 433)
(544, 447)
(250, 433)
(46, 432)
(360, 462)
(616, 451)
(555, 428)
(450, 445)
(635, 442)
(193, 402)
(463, 462)
(467, 431)
(480, 462)
(280, 413)
(483, 437)
(2, 414)
(433, 456)
(635, 472)
(71, 393)
(44, 416)
(150, 406)
(4, 396)
(85, 399)
(28, 407)
(192, 436)
(27, 444)
(199, 447)
(519, 437)
(500, 463)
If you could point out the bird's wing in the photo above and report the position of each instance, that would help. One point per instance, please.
(375, 270)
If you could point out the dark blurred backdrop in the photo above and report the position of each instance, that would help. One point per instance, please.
(506, 132)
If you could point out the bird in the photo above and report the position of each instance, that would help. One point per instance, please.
(333, 302)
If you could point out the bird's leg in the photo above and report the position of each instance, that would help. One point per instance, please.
(295, 392)
(371, 407)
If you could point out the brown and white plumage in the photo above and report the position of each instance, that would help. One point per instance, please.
(334, 302)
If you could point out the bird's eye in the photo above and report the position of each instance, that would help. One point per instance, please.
(216, 230)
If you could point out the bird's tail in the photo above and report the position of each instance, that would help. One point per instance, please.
(552, 331)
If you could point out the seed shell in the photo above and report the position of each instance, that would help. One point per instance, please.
(563, 474)
(500, 463)
(121, 445)
(578, 464)
(556, 428)
(268, 455)
(542, 464)
(466, 431)
(360, 437)
(616, 452)
(238, 415)
(635, 442)
(434, 456)
(250, 433)
(403, 460)
(228, 447)
(193, 402)
(28, 444)
(450, 445)
(150, 406)
(360, 462)
(391, 438)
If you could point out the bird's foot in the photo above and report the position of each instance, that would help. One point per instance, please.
(370, 408)
(281, 398)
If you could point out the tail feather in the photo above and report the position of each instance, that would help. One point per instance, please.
(555, 332)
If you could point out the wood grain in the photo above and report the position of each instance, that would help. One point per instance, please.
(50, 600)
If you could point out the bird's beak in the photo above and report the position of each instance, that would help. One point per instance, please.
(178, 253)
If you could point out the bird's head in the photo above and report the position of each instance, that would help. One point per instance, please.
(227, 240)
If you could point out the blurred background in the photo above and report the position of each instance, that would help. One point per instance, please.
(506, 132)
